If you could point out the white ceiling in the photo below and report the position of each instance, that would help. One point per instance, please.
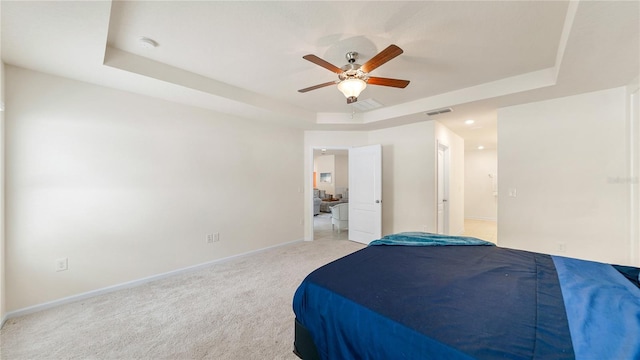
(245, 58)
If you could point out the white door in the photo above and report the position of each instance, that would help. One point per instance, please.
(443, 189)
(365, 193)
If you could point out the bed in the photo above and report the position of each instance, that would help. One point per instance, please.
(428, 296)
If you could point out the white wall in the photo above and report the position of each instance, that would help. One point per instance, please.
(408, 177)
(480, 184)
(341, 173)
(563, 157)
(128, 186)
(2, 177)
(338, 166)
(325, 164)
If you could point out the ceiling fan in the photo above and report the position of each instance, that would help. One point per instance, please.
(353, 78)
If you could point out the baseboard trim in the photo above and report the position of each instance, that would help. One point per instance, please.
(3, 320)
(131, 284)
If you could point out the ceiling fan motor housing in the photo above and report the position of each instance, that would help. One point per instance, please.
(351, 56)
(352, 71)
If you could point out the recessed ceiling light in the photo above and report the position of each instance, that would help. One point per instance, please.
(480, 147)
(469, 122)
(147, 43)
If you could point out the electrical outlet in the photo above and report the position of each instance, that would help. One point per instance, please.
(210, 238)
(216, 237)
(562, 247)
(62, 264)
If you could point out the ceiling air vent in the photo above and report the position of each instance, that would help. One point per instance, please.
(366, 105)
(440, 111)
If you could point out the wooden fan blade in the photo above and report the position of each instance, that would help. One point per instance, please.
(317, 86)
(385, 55)
(316, 60)
(388, 82)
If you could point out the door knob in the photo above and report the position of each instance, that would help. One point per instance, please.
(377, 201)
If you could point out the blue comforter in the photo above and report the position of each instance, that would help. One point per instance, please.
(428, 239)
(603, 309)
(468, 302)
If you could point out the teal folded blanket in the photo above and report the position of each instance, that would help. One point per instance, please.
(428, 239)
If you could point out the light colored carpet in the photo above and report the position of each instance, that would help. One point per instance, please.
(481, 229)
(239, 309)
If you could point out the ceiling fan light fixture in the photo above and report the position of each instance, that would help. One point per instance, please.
(351, 88)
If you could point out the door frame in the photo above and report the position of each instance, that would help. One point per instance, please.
(442, 185)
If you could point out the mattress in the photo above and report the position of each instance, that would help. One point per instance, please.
(468, 301)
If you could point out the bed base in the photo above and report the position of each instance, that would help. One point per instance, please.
(303, 345)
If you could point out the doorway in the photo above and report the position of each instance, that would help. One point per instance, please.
(330, 174)
(481, 193)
